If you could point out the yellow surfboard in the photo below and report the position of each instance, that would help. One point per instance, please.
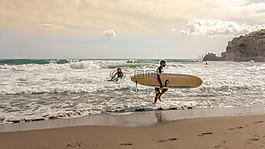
(168, 80)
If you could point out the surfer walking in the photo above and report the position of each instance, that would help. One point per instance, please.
(159, 71)
(119, 74)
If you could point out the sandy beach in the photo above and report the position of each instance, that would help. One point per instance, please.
(226, 132)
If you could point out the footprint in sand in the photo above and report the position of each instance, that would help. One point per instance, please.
(235, 128)
(169, 139)
(258, 122)
(205, 133)
(78, 144)
(69, 145)
(126, 144)
(252, 140)
(218, 146)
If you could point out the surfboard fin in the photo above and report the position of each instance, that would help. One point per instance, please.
(166, 83)
(136, 89)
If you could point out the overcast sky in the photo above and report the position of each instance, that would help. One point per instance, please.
(124, 28)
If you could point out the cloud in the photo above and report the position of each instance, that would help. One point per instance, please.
(109, 33)
(261, 11)
(210, 27)
(149, 16)
(51, 26)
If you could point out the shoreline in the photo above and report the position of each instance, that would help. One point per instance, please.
(135, 119)
(225, 132)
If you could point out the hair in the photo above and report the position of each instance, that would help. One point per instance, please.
(162, 61)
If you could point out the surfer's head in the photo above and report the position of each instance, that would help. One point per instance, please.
(162, 63)
(119, 69)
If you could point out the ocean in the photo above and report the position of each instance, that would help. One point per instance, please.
(33, 90)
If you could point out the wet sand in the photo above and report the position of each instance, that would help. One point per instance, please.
(221, 132)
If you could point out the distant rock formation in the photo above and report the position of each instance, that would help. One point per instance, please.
(250, 47)
(212, 57)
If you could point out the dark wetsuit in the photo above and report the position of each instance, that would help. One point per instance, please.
(119, 75)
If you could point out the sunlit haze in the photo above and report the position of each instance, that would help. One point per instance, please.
(103, 29)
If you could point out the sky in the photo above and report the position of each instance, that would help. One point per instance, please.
(127, 29)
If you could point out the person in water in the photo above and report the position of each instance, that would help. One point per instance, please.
(119, 75)
(159, 71)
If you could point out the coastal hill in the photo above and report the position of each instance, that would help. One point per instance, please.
(250, 47)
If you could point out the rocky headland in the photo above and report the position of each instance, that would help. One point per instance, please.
(250, 47)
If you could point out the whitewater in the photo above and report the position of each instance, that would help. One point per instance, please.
(50, 89)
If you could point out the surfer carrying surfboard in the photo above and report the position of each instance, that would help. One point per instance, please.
(159, 71)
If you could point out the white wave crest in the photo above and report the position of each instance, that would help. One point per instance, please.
(84, 65)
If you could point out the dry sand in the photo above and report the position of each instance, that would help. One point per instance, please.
(232, 132)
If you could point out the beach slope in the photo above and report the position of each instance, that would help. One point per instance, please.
(232, 132)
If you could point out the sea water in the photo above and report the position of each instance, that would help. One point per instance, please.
(32, 90)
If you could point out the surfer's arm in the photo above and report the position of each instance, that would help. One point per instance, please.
(113, 76)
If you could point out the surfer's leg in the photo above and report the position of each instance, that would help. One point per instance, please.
(163, 91)
(157, 92)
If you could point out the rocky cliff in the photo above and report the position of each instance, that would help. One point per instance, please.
(243, 48)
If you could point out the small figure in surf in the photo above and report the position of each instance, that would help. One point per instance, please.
(159, 71)
(117, 75)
